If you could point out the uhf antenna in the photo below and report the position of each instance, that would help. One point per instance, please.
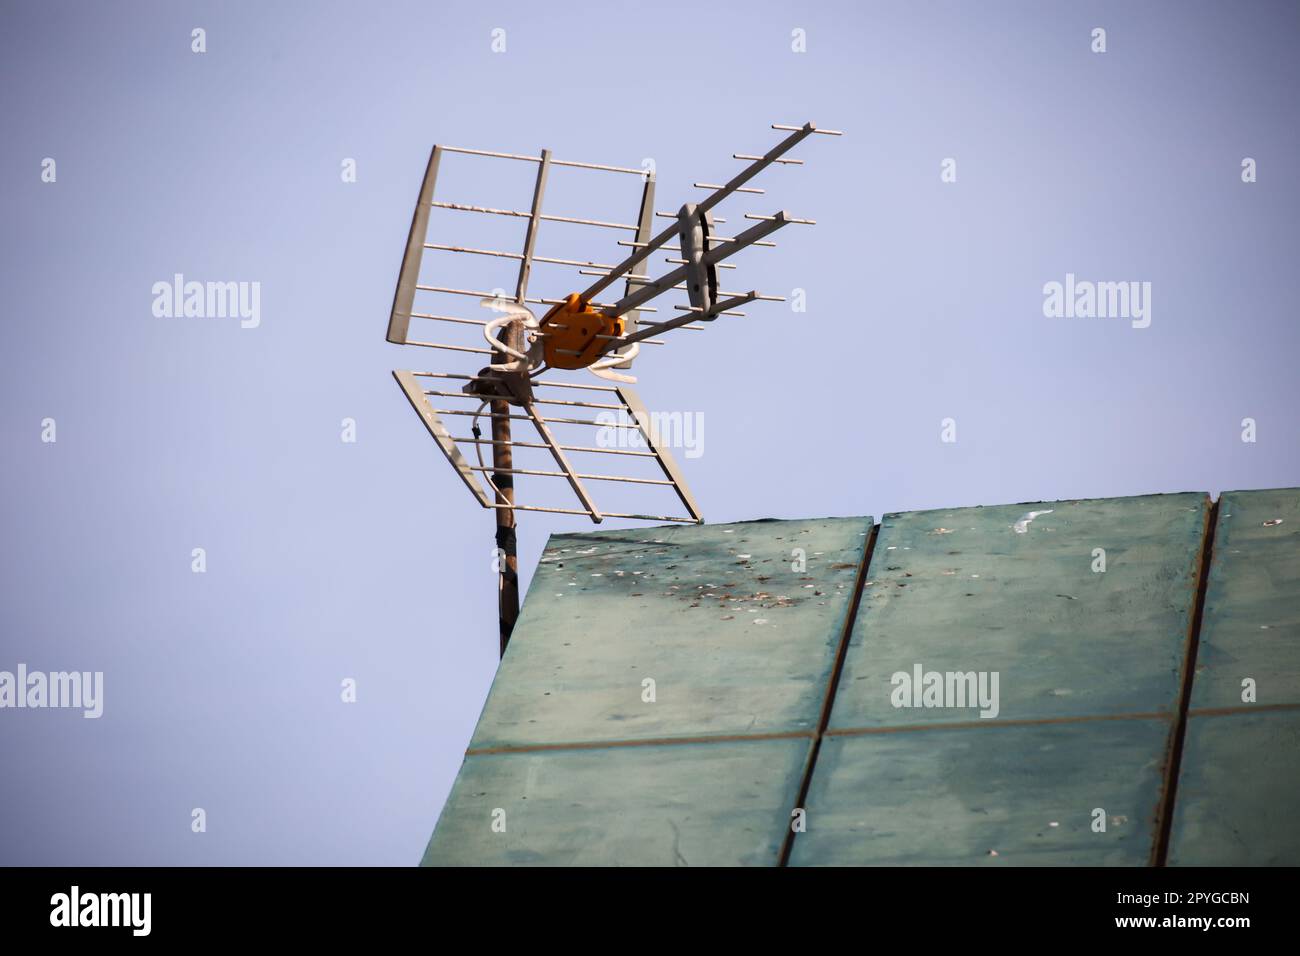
(591, 329)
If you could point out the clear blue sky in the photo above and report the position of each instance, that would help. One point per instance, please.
(368, 561)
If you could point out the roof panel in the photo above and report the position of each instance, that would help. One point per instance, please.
(1006, 794)
(1239, 774)
(715, 804)
(1251, 626)
(735, 638)
(1012, 590)
(1237, 790)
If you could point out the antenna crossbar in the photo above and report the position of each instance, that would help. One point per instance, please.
(561, 474)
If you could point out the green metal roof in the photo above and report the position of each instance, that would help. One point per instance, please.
(671, 695)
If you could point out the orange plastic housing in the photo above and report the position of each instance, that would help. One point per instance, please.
(571, 328)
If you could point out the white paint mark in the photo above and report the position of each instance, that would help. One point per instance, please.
(1022, 525)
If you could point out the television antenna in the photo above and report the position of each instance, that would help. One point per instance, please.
(593, 329)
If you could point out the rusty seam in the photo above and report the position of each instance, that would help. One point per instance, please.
(1165, 811)
(841, 652)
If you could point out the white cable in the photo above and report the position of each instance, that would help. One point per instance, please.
(489, 333)
(487, 476)
(601, 369)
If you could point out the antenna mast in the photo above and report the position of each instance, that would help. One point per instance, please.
(503, 480)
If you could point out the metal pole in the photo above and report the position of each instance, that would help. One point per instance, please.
(512, 336)
(503, 463)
